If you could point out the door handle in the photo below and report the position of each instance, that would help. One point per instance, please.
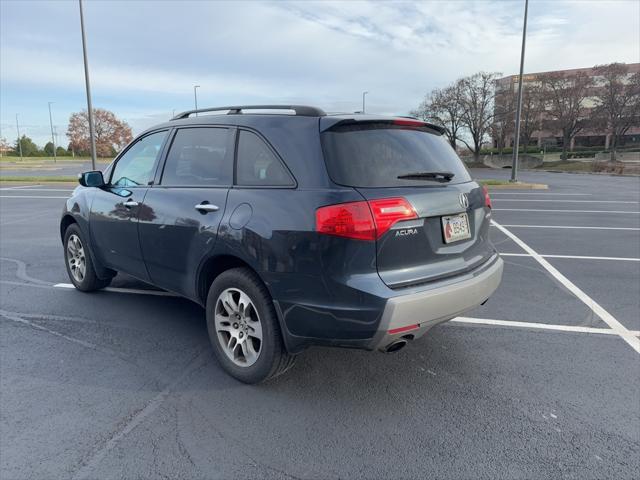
(206, 207)
(130, 203)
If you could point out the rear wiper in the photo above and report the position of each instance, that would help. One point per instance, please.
(435, 176)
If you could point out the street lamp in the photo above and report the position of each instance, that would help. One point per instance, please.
(53, 140)
(195, 96)
(516, 143)
(363, 95)
(19, 139)
(92, 133)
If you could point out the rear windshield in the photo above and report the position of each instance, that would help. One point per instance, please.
(375, 154)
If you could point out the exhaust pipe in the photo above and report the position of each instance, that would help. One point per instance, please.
(395, 346)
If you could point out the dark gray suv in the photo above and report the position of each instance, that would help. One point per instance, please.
(291, 227)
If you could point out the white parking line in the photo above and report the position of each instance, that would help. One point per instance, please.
(562, 211)
(560, 201)
(25, 218)
(29, 196)
(606, 317)
(139, 291)
(572, 227)
(477, 321)
(492, 193)
(42, 189)
(576, 257)
(18, 187)
(540, 326)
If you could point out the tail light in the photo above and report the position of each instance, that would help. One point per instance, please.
(487, 198)
(366, 220)
(388, 211)
(351, 220)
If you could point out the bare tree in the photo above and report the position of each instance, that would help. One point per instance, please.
(617, 102)
(443, 107)
(112, 134)
(564, 97)
(532, 106)
(477, 109)
(503, 120)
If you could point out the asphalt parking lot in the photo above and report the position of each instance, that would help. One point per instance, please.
(541, 382)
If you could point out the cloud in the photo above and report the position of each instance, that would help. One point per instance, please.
(145, 57)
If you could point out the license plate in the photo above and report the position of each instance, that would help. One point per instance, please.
(456, 227)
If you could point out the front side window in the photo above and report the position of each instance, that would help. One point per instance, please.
(197, 157)
(136, 166)
(258, 165)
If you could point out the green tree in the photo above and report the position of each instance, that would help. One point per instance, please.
(48, 149)
(61, 152)
(29, 149)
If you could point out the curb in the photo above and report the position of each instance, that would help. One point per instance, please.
(610, 174)
(518, 186)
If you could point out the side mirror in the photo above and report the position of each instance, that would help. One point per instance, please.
(91, 179)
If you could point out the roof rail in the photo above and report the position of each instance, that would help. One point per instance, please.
(301, 110)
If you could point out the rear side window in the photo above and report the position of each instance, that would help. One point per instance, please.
(197, 157)
(257, 165)
(375, 154)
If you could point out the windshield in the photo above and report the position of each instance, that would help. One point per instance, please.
(376, 154)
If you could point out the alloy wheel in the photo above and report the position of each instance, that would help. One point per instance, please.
(238, 327)
(76, 258)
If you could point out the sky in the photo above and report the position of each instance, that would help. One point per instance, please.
(146, 56)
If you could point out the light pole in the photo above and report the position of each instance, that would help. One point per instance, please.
(516, 143)
(55, 134)
(195, 96)
(53, 140)
(92, 133)
(363, 95)
(19, 139)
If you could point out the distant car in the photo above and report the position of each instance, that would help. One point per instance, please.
(291, 227)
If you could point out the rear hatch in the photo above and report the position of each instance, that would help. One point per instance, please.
(443, 229)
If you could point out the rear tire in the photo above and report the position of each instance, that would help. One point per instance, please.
(244, 329)
(79, 261)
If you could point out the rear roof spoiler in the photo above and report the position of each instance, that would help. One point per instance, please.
(328, 123)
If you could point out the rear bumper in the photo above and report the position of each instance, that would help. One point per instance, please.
(436, 305)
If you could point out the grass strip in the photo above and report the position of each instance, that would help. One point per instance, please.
(39, 179)
(494, 184)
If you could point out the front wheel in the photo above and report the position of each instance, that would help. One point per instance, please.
(243, 328)
(79, 262)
